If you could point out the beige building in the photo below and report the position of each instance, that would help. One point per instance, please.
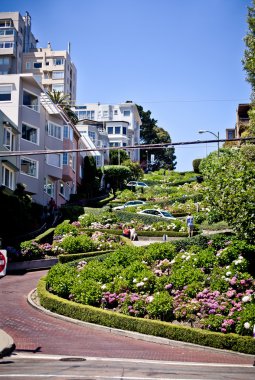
(19, 54)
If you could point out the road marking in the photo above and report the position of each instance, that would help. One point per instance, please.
(161, 362)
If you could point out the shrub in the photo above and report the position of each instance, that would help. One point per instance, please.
(65, 228)
(77, 244)
(31, 250)
(196, 164)
(60, 279)
(161, 307)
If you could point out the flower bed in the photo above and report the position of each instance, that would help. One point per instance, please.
(212, 289)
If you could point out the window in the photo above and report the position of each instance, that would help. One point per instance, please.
(31, 101)
(57, 74)
(37, 65)
(5, 93)
(9, 139)
(68, 159)
(49, 187)
(7, 177)
(6, 45)
(4, 61)
(28, 65)
(54, 160)
(5, 23)
(30, 133)
(230, 134)
(115, 144)
(58, 61)
(65, 159)
(124, 130)
(62, 189)
(92, 136)
(115, 112)
(105, 113)
(110, 130)
(28, 167)
(126, 113)
(58, 87)
(6, 32)
(55, 130)
(117, 130)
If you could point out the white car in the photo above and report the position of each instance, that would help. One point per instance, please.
(130, 204)
(137, 184)
(159, 213)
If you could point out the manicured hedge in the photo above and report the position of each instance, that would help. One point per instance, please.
(45, 237)
(98, 316)
(78, 256)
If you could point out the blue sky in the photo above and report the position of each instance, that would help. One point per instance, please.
(180, 59)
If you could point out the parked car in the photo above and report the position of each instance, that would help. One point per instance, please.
(159, 213)
(137, 184)
(130, 204)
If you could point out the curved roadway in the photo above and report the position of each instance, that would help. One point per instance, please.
(37, 332)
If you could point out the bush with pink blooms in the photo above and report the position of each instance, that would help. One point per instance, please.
(209, 285)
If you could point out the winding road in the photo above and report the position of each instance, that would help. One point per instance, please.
(38, 333)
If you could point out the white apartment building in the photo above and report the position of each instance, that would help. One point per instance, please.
(19, 54)
(95, 137)
(30, 122)
(121, 122)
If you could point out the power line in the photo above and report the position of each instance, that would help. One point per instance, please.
(168, 145)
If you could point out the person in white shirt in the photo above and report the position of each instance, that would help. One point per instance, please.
(133, 234)
(190, 224)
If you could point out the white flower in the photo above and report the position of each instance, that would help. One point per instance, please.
(140, 284)
(228, 273)
(134, 280)
(247, 325)
(145, 279)
(246, 298)
(103, 286)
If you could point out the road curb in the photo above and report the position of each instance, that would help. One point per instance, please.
(131, 334)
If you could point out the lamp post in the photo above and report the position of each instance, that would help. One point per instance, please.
(214, 134)
(147, 159)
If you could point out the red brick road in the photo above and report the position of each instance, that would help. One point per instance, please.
(35, 331)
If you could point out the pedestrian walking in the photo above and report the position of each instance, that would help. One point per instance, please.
(190, 224)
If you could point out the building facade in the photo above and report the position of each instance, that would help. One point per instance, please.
(121, 123)
(30, 124)
(19, 54)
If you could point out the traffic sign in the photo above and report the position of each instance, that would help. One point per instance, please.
(3, 262)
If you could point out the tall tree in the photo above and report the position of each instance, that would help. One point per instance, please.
(249, 66)
(229, 182)
(150, 133)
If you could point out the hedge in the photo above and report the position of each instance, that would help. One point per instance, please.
(45, 237)
(98, 316)
(66, 258)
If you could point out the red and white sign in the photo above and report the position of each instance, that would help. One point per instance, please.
(3, 262)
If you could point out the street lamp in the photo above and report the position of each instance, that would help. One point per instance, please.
(214, 134)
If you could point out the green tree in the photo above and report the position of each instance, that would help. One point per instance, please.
(117, 156)
(229, 188)
(150, 133)
(249, 66)
(90, 182)
(116, 176)
(63, 101)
